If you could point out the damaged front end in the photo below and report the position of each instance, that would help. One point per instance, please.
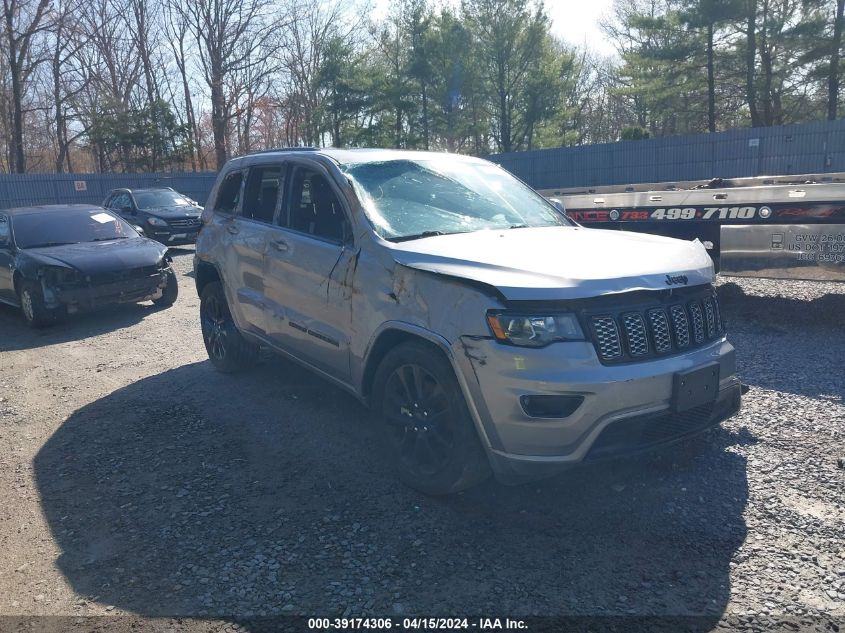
(74, 290)
(561, 362)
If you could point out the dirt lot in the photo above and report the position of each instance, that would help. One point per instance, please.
(136, 480)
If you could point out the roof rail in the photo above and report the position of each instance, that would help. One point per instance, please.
(287, 149)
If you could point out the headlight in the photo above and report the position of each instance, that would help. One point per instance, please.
(529, 330)
(156, 221)
(58, 274)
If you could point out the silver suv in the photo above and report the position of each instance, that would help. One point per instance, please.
(486, 329)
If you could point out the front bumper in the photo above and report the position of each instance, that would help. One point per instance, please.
(98, 294)
(626, 408)
(172, 236)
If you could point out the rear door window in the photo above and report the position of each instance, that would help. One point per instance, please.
(263, 191)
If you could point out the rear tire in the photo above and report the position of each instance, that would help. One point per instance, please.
(227, 349)
(429, 431)
(169, 293)
(37, 314)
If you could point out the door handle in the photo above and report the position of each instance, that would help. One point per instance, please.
(233, 229)
(279, 245)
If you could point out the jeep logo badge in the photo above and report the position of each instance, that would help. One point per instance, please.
(677, 279)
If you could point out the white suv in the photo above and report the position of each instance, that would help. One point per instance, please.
(487, 329)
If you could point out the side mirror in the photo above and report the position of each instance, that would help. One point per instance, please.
(139, 229)
(558, 205)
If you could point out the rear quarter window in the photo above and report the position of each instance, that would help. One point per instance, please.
(5, 229)
(229, 193)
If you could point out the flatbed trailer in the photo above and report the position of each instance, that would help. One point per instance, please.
(779, 227)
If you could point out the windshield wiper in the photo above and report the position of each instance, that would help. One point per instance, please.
(518, 226)
(109, 239)
(419, 236)
(46, 244)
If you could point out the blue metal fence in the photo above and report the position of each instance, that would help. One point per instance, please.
(808, 148)
(21, 190)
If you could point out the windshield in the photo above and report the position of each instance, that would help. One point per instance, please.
(68, 226)
(154, 199)
(407, 199)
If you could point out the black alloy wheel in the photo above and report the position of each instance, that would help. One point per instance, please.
(227, 349)
(429, 433)
(418, 411)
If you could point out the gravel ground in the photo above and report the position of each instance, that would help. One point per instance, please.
(135, 480)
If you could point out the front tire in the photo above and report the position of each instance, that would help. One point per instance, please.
(170, 292)
(429, 431)
(37, 314)
(227, 349)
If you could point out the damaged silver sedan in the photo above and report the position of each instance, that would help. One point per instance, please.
(487, 330)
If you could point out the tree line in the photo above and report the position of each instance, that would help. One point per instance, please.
(148, 85)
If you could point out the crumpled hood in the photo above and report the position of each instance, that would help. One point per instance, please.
(548, 263)
(91, 258)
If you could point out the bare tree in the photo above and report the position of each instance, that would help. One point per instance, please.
(177, 29)
(146, 45)
(230, 36)
(246, 88)
(113, 66)
(65, 79)
(305, 39)
(23, 20)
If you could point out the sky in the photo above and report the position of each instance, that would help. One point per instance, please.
(575, 21)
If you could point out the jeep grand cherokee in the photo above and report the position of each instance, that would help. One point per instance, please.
(485, 328)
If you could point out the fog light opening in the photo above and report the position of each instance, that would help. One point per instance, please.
(550, 407)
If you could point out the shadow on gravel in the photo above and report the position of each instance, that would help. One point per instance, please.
(195, 493)
(785, 344)
(17, 335)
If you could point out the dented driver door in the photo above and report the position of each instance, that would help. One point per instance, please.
(308, 269)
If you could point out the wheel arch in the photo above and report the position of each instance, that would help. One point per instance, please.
(389, 336)
(17, 282)
(205, 273)
(393, 333)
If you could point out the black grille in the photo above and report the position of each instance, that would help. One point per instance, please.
(659, 323)
(710, 316)
(719, 325)
(642, 432)
(635, 334)
(675, 326)
(185, 223)
(697, 321)
(680, 325)
(607, 337)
